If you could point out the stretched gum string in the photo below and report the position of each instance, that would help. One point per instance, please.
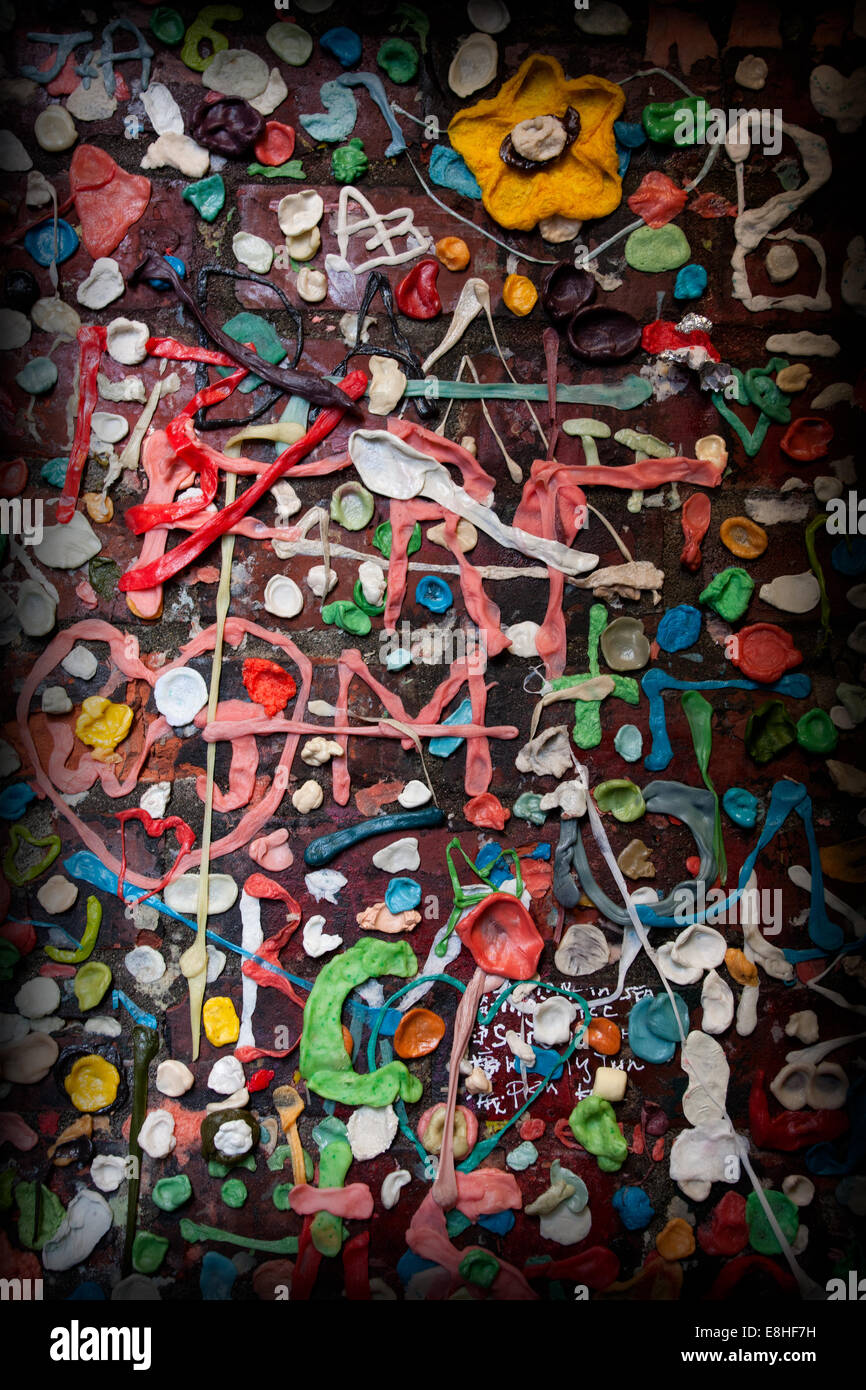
(127, 661)
(808, 1288)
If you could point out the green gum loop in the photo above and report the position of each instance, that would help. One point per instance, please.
(323, 1059)
(462, 900)
(201, 28)
(17, 833)
(763, 392)
(93, 921)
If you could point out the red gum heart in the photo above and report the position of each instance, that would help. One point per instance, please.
(183, 833)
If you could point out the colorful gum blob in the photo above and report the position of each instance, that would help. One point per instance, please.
(744, 538)
(92, 1083)
(419, 1033)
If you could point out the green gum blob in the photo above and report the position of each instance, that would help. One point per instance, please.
(33, 1234)
(816, 732)
(761, 1237)
(628, 742)
(251, 328)
(769, 732)
(352, 506)
(593, 1124)
(233, 1192)
(103, 575)
(370, 609)
(170, 1193)
(621, 797)
(347, 616)
(91, 983)
(292, 169)
(729, 593)
(664, 121)
(326, 1230)
(148, 1252)
(208, 197)
(479, 1267)
(349, 162)
(528, 807)
(398, 59)
(653, 249)
(382, 539)
(167, 25)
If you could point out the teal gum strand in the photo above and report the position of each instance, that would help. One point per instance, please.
(486, 1146)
